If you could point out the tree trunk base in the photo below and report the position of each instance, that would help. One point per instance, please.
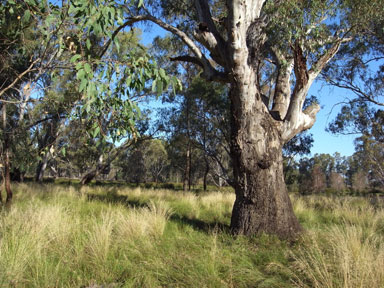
(251, 219)
(88, 177)
(262, 202)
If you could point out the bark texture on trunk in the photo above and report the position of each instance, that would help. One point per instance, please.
(262, 203)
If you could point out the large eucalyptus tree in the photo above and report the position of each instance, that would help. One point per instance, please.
(235, 42)
(245, 44)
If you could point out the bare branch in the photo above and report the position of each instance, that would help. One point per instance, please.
(187, 58)
(355, 89)
(19, 77)
(209, 71)
(326, 57)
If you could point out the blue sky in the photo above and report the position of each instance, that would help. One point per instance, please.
(325, 142)
(329, 98)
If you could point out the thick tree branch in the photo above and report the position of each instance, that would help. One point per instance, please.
(209, 71)
(302, 121)
(204, 14)
(319, 65)
(300, 68)
(282, 86)
(29, 126)
(121, 27)
(208, 35)
(297, 120)
(187, 58)
(302, 85)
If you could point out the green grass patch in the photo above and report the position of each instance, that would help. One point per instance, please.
(59, 235)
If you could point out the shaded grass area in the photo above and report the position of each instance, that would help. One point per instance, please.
(57, 236)
(196, 188)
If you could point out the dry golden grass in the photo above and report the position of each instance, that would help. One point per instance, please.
(347, 254)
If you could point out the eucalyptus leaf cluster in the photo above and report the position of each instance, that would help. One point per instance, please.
(110, 85)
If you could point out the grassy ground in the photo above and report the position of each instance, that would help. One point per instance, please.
(56, 236)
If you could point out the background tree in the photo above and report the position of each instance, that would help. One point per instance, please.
(318, 179)
(155, 159)
(360, 119)
(206, 131)
(131, 166)
(26, 53)
(337, 182)
(359, 68)
(359, 181)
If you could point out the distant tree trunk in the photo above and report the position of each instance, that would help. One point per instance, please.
(205, 150)
(205, 174)
(6, 160)
(88, 177)
(337, 182)
(187, 172)
(318, 180)
(186, 180)
(93, 172)
(359, 181)
(104, 164)
(47, 142)
(41, 167)
(190, 168)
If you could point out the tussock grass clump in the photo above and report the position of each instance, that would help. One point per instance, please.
(347, 247)
(143, 222)
(342, 257)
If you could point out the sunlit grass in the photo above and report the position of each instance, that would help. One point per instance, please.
(346, 246)
(62, 236)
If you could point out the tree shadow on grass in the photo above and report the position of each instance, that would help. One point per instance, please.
(200, 225)
(196, 224)
(117, 199)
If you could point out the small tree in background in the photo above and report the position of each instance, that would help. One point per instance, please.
(359, 181)
(336, 182)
